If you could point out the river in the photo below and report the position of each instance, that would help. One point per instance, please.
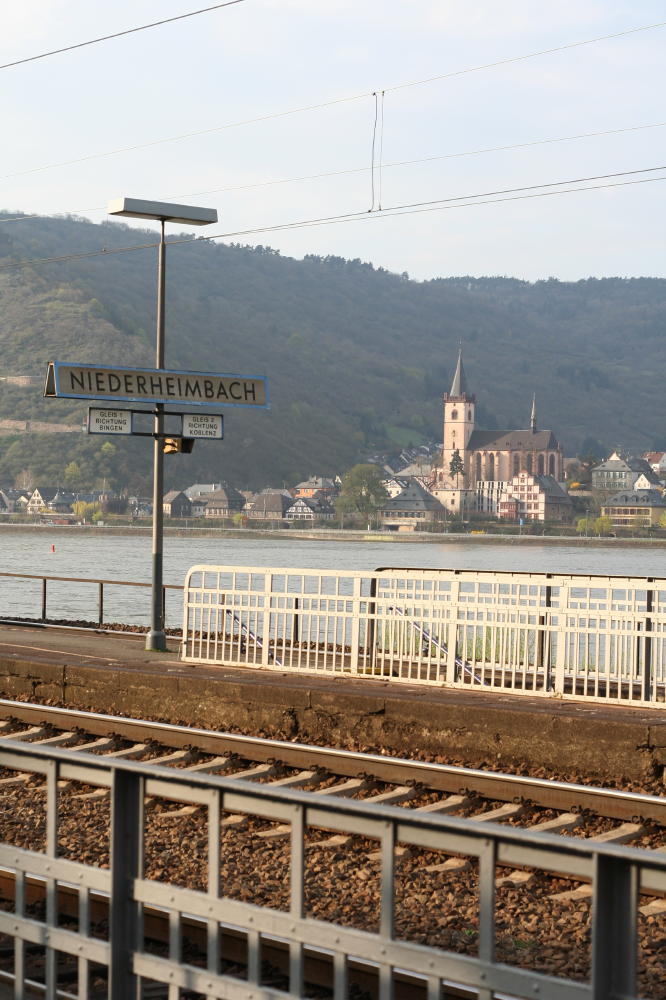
(120, 557)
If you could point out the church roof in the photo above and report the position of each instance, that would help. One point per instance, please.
(459, 385)
(526, 440)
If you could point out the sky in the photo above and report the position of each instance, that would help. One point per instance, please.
(86, 126)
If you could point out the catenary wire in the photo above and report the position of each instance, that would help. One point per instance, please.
(119, 34)
(326, 104)
(358, 170)
(463, 201)
(372, 158)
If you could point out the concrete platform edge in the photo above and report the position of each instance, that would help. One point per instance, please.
(505, 732)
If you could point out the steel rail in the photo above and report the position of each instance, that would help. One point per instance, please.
(559, 795)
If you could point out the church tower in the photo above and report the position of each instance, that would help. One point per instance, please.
(459, 419)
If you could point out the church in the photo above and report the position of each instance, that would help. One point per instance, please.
(488, 459)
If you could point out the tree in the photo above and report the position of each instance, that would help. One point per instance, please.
(456, 467)
(84, 510)
(72, 476)
(603, 525)
(362, 490)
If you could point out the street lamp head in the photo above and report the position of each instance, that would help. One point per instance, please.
(160, 211)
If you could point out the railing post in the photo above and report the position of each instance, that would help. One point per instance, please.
(371, 626)
(614, 928)
(43, 599)
(295, 637)
(355, 629)
(646, 678)
(561, 641)
(100, 602)
(126, 866)
(266, 621)
(452, 634)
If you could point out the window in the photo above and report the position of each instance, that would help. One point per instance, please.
(516, 464)
(454, 414)
(551, 466)
(528, 464)
(540, 465)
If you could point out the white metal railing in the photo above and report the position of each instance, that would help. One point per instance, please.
(570, 636)
(107, 945)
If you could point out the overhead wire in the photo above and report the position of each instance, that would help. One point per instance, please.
(330, 103)
(372, 157)
(357, 170)
(440, 204)
(118, 34)
(381, 150)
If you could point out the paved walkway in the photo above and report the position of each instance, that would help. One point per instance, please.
(114, 673)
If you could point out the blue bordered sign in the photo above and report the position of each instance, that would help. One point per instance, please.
(154, 385)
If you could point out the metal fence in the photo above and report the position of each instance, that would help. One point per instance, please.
(590, 637)
(72, 598)
(117, 952)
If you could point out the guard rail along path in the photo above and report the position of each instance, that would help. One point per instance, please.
(121, 955)
(599, 638)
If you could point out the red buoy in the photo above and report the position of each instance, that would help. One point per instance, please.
(53, 548)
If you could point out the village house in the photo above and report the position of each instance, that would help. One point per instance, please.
(176, 504)
(620, 473)
(40, 498)
(413, 508)
(657, 462)
(310, 509)
(224, 502)
(201, 489)
(313, 485)
(269, 505)
(534, 498)
(634, 508)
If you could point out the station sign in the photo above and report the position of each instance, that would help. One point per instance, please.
(109, 421)
(154, 385)
(202, 425)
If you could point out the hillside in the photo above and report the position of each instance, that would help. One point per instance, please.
(357, 357)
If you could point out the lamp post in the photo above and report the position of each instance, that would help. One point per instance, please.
(189, 215)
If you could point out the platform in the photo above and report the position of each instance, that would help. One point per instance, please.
(115, 674)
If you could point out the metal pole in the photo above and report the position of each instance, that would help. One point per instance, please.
(156, 638)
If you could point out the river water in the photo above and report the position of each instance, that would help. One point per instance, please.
(118, 557)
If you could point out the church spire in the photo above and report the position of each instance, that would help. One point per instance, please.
(459, 385)
(533, 419)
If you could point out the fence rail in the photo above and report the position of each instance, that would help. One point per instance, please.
(41, 598)
(119, 954)
(569, 636)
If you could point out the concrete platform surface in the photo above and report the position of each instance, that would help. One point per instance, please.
(115, 674)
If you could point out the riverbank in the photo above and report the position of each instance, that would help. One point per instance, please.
(335, 535)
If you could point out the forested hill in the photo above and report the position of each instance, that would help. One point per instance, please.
(358, 358)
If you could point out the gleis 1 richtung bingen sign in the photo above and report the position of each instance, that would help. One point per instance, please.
(109, 421)
(149, 385)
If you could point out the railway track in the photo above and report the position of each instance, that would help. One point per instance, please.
(535, 803)
(606, 815)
